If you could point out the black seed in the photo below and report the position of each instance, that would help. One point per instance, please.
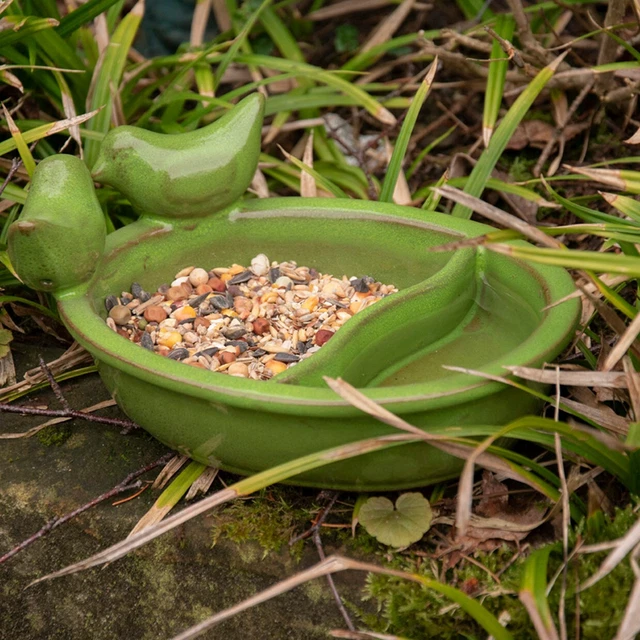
(136, 290)
(144, 296)
(302, 348)
(368, 279)
(209, 351)
(258, 353)
(220, 302)
(178, 354)
(245, 276)
(110, 302)
(313, 273)
(196, 302)
(274, 274)
(287, 357)
(186, 321)
(163, 288)
(146, 341)
(241, 344)
(359, 285)
(126, 297)
(233, 333)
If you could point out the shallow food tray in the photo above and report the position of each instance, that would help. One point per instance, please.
(468, 308)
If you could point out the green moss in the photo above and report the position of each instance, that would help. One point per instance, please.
(55, 435)
(521, 168)
(407, 609)
(270, 519)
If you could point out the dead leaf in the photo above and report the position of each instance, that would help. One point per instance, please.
(507, 525)
(537, 133)
(495, 496)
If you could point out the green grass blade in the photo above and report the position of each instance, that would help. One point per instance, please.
(281, 36)
(472, 607)
(432, 200)
(582, 212)
(68, 375)
(400, 149)
(533, 593)
(29, 303)
(15, 193)
(364, 60)
(628, 206)
(276, 103)
(29, 27)
(24, 151)
(504, 27)
(83, 14)
(45, 130)
(303, 70)
(321, 181)
(587, 260)
(485, 165)
(615, 299)
(109, 74)
(170, 497)
(427, 150)
(472, 8)
(238, 42)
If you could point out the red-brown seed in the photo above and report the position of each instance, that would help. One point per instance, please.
(323, 336)
(155, 314)
(261, 326)
(201, 289)
(177, 293)
(226, 357)
(216, 284)
(201, 322)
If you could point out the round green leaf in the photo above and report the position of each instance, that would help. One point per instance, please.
(398, 527)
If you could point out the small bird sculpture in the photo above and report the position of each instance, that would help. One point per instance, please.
(188, 174)
(61, 232)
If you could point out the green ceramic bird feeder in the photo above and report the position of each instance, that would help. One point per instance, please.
(468, 308)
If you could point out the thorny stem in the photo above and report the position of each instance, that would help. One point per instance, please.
(126, 485)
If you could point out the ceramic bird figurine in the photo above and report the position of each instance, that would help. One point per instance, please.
(188, 174)
(61, 232)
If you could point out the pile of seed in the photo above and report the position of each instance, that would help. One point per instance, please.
(251, 323)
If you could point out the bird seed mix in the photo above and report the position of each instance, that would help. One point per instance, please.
(247, 322)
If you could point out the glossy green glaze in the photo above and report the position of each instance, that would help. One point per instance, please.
(61, 232)
(185, 175)
(469, 308)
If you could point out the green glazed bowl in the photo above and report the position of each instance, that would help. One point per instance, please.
(468, 308)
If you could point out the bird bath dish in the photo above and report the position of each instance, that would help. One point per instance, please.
(468, 308)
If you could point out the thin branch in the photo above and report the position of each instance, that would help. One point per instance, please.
(15, 165)
(55, 387)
